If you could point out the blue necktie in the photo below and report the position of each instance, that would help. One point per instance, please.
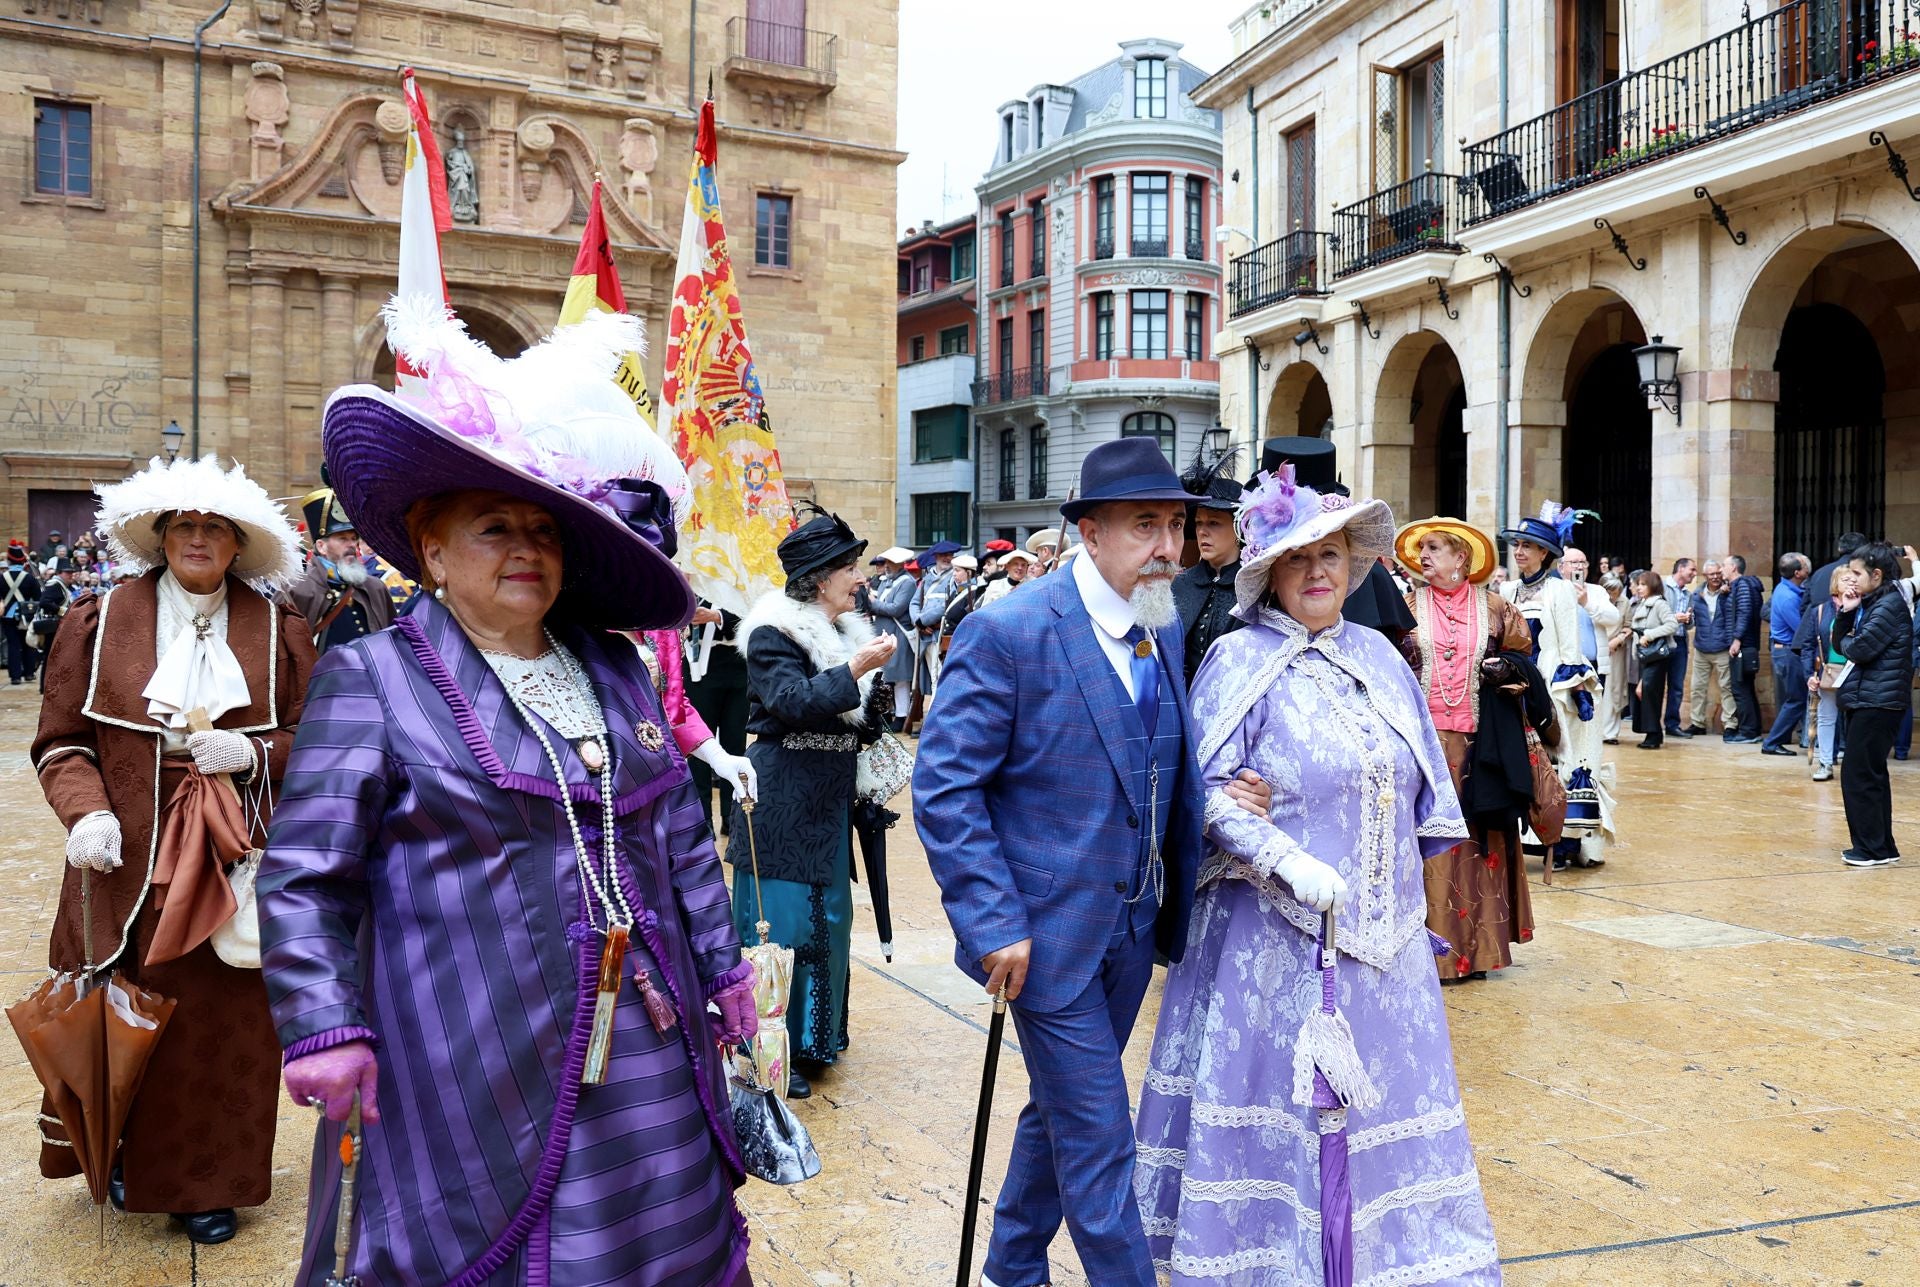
(1146, 679)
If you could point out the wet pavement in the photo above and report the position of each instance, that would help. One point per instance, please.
(1704, 1069)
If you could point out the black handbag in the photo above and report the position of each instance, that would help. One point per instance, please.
(1659, 650)
(773, 1144)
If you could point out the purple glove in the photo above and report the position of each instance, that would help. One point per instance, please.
(327, 1079)
(739, 1017)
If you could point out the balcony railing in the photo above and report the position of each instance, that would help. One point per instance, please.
(1424, 213)
(1799, 54)
(1037, 266)
(1149, 247)
(1103, 247)
(774, 42)
(1010, 386)
(1196, 248)
(1293, 266)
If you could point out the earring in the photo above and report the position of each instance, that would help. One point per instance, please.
(440, 594)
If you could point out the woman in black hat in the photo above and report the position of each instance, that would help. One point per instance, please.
(814, 699)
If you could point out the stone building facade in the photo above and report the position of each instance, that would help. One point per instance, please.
(1100, 280)
(302, 137)
(934, 455)
(1451, 235)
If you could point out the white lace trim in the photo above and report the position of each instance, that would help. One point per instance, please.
(1253, 1117)
(1437, 1122)
(1430, 1271)
(546, 686)
(1221, 1266)
(1442, 827)
(1434, 1271)
(1249, 1189)
(1152, 1159)
(1169, 1084)
(1463, 1185)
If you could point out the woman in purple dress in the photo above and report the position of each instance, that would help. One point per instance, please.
(1228, 1171)
(490, 905)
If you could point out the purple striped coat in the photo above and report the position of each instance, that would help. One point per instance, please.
(420, 890)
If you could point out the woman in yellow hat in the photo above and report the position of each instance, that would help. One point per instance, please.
(1468, 648)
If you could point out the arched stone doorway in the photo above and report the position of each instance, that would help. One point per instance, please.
(1301, 405)
(1416, 459)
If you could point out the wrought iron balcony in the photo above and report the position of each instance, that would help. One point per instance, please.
(1012, 385)
(1793, 57)
(1424, 213)
(1103, 247)
(774, 49)
(1196, 248)
(1149, 247)
(1037, 266)
(1293, 266)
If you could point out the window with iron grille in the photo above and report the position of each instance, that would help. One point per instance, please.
(1103, 325)
(1037, 339)
(1006, 247)
(940, 516)
(1156, 425)
(1037, 217)
(1196, 218)
(940, 433)
(1196, 326)
(1037, 463)
(954, 340)
(62, 147)
(1009, 461)
(1149, 316)
(772, 231)
(1103, 218)
(963, 258)
(1149, 232)
(1150, 88)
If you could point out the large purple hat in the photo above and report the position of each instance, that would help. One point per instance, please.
(540, 428)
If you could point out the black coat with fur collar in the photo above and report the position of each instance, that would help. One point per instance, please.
(802, 705)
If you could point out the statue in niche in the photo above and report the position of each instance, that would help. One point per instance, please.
(463, 182)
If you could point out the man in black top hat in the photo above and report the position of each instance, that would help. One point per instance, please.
(339, 598)
(1376, 602)
(1204, 592)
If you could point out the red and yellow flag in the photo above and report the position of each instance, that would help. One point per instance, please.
(716, 410)
(595, 285)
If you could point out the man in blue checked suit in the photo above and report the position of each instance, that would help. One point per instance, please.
(1057, 797)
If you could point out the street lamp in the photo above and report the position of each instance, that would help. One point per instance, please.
(170, 438)
(1217, 439)
(1660, 374)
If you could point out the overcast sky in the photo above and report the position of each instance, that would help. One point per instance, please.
(960, 62)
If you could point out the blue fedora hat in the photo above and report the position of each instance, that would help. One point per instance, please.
(1125, 469)
(1538, 531)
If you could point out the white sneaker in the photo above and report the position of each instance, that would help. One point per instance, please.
(1861, 860)
(1823, 773)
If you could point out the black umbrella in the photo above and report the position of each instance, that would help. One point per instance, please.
(977, 1165)
(870, 823)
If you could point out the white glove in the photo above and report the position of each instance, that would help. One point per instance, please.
(215, 750)
(729, 768)
(95, 842)
(1313, 882)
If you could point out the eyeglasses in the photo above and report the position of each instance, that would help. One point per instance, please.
(213, 529)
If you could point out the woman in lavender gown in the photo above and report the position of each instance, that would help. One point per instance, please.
(490, 905)
(1228, 1171)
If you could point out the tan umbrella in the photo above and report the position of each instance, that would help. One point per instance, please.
(89, 1038)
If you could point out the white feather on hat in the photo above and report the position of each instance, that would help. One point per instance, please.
(269, 561)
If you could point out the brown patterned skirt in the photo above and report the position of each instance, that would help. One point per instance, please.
(1477, 897)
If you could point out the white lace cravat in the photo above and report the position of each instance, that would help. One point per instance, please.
(549, 686)
(196, 668)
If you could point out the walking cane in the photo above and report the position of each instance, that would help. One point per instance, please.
(970, 1214)
(343, 1219)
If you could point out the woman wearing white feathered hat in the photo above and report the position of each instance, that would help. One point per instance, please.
(199, 631)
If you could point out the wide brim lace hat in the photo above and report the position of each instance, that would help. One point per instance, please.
(268, 560)
(550, 427)
(1277, 515)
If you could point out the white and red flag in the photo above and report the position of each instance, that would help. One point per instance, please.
(424, 214)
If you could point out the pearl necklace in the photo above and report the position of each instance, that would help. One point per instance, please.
(611, 897)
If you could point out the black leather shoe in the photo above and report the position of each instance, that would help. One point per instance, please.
(117, 1190)
(1778, 750)
(1678, 732)
(1694, 730)
(798, 1087)
(210, 1227)
(1741, 739)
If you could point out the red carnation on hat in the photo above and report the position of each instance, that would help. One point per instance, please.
(16, 552)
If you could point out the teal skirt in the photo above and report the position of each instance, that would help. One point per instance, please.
(816, 921)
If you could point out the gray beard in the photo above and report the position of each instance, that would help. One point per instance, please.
(1152, 604)
(350, 571)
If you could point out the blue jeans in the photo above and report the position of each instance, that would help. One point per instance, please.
(1677, 682)
(1789, 694)
(1826, 727)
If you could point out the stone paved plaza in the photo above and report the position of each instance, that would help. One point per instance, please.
(1703, 1070)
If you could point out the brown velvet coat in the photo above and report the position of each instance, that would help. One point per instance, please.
(201, 1133)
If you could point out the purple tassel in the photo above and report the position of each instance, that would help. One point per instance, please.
(658, 1008)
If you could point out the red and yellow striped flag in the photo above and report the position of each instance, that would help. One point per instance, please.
(595, 285)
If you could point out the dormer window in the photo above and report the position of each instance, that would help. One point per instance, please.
(1039, 110)
(1150, 88)
(1006, 137)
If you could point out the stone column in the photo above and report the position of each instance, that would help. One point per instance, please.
(267, 362)
(1536, 433)
(336, 359)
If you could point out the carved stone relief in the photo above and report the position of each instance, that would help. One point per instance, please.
(1111, 112)
(535, 139)
(390, 118)
(267, 108)
(639, 153)
(68, 10)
